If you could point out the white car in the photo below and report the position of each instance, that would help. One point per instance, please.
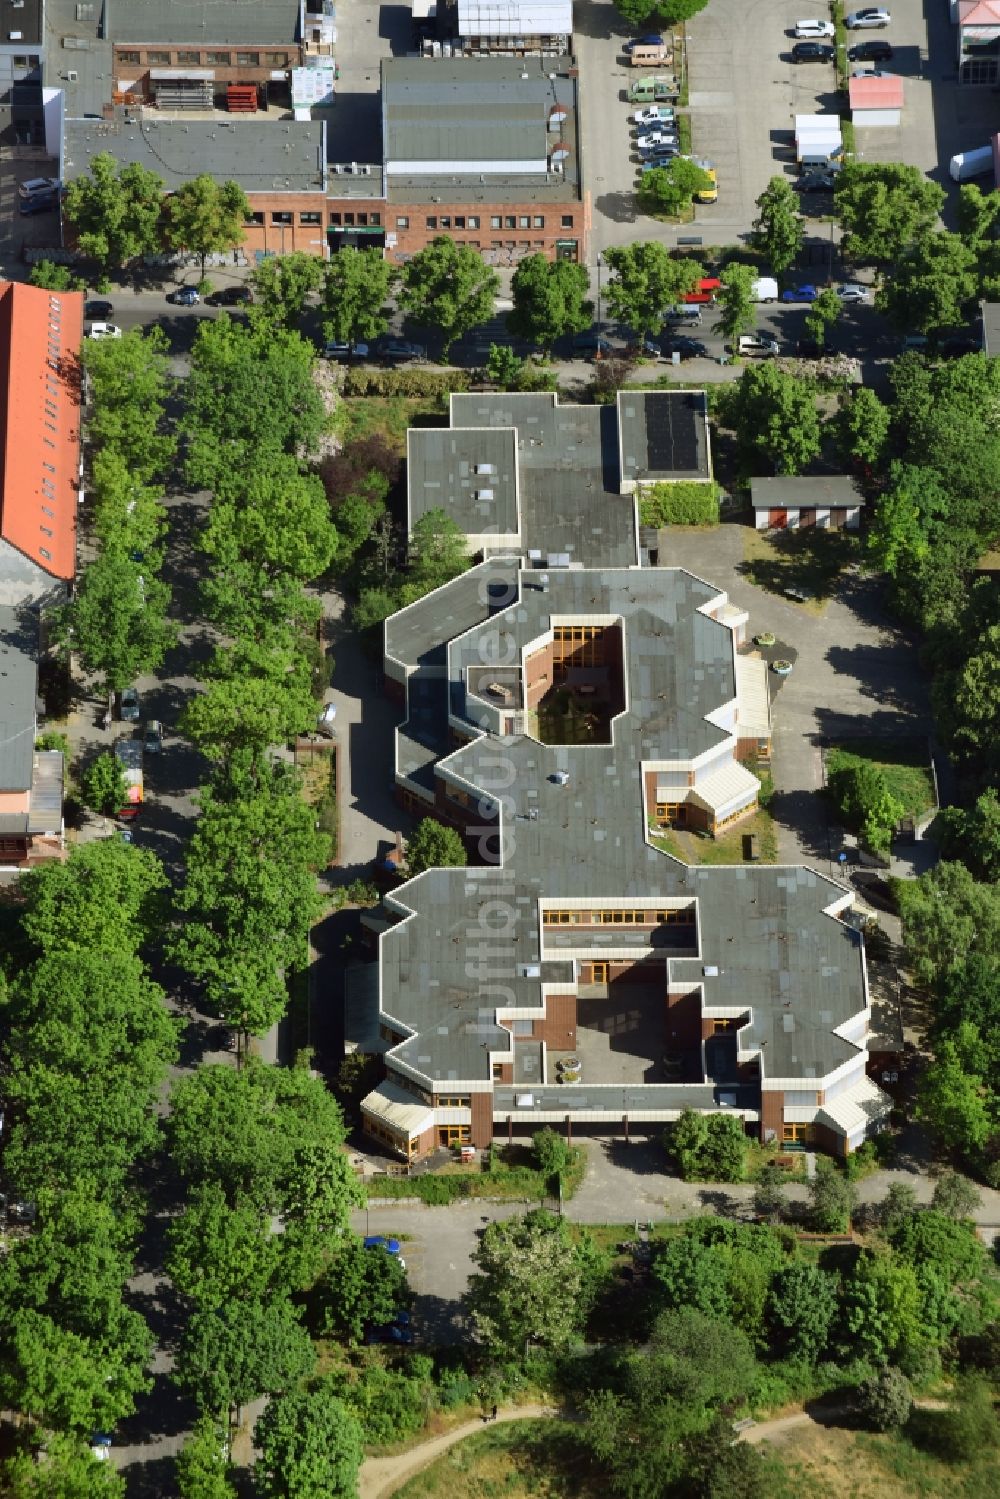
(872, 18)
(852, 291)
(104, 330)
(814, 29)
(653, 114)
(870, 73)
(36, 185)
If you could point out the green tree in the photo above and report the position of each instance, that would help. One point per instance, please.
(552, 1153)
(737, 306)
(646, 280)
(669, 189)
(976, 696)
(249, 894)
(831, 1198)
(503, 367)
(955, 1196)
(822, 314)
(977, 213)
(528, 1284)
(356, 287)
(802, 1306)
(770, 1200)
(883, 208)
(204, 216)
(115, 211)
(969, 1426)
(882, 1307)
(432, 845)
(947, 914)
(130, 384)
(117, 620)
(973, 835)
(203, 1467)
(247, 1129)
(723, 1467)
(54, 277)
(896, 1208)
(778, 230)
(906, 518)
(550, 300)
(666, 12)
(885, 1399)
(232, 1354)
(954, 1101)
(218, 1253)
(258, 695)
(71, 1383)
(69, 1470)
(356, 1288)
(282, 284)
(437, 551)
(448, 287)
(311, 1445)
(104, 786)
(861, 794)
(775, 420)
(929, 284)
(862, 428)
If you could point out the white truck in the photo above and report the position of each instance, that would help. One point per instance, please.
(765, 289)
(968, 164)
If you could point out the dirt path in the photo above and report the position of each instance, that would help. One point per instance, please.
(381, 1476)
(773, 1431)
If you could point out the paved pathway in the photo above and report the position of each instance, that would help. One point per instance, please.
(381, 1476)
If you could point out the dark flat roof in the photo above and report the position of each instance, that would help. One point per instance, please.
(663, 434)
(263, 156)
(188, 22)
(18, 686)
(822, 492)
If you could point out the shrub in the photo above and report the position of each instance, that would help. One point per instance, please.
(832, 1197)
(692, 502)
(365, 381)
(885, 1399)
(454, 1387)
(955, 1196)
(52, 739)
(104, 786)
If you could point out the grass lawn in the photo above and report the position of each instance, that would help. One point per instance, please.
(819, 1462)
(540, 1459)
(903, 762)
(808, 559)
(387, 416)
(696, 848)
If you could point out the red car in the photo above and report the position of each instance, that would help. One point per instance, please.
(705, 290)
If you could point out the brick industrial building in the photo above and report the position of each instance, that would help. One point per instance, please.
(562, 704)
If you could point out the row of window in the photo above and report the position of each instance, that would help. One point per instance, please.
(453, 1101)
(398, 1142)
(577, 633)
(155, 59)
(618, 918)
(474, 221)
(723, 822)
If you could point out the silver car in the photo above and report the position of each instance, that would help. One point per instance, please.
(872, 18)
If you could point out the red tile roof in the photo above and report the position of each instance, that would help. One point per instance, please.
(40, 336)
(876, 93)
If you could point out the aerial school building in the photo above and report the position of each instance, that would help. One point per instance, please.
(565, 702)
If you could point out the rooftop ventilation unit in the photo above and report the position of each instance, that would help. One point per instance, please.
(484, 468)
(484, 494)
(561, 777)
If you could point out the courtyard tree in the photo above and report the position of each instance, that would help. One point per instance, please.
(929, 283)
(282, 284)
(449, 288)
(528, 1285)
(883, 208)
(862, 428)
(205, 217)
(104, 786)
(433, 845)
(775, 420)
(356, 287)
(736, 302)
(646, 281)
(778, 230)
(832, 1198)
(667, 190)
(822, 314)
(550, 300)
(311, 1445)
(115, 211)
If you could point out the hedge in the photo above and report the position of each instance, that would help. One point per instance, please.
(363, 381)
(692, 502)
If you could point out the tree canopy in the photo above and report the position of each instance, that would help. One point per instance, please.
(356, 287)
(550, 300)
(448, 287)
(646, 280)
(311, 1446)
(205, 216)
(883, 207)
(778, 229)
(115, 211)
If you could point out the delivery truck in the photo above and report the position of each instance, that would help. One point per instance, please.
(128, 753)
(969, 164)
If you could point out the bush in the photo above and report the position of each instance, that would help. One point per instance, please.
(367, 381)
(52, 739)
(454, 1387)
(955, 1196)
(885, 1399)
(693, 502)
(104, 785)
(707, 1147)
(832, 1199)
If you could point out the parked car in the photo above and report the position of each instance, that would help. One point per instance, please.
(806, 293)
(871, 51)
(100, 1446)
(35, 185)
(391, 1246)
(653, 114)
(128, 708)
(593, 345)
(230, 296)
(956, 345)
(399, 1330)
(97, 309)
(817, 182)
(657, 137)
(687, 348)
(343, 352)
(184, 296)
(871, 18)
(659, 156)
(759, 344)
(399, 350)
(852, 291)
(152, 739)
(644, 348)
(643, 41)
(812, 52)
(688, 313)
(103, 330)
(870, 73)
(814, 28)
(40, 203)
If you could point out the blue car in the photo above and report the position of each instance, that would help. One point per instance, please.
(379, 1241)
(187, 296)
(397, 1331)
(800, 294)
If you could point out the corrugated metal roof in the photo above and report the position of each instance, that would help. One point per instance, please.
(876, 93)
(182, 23)
(515, 17)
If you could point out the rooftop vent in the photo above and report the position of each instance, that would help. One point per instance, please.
(560, 777)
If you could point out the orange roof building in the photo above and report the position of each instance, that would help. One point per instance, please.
(40, 397)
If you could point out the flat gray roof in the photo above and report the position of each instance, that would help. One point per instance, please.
(497, 110)
(570, 499)
(822, 492)
(990, 312)
(18, 687)
(201, 22)
(418, 635)
(469, 473)
(25, 18)
(663, 434)
(276, 156)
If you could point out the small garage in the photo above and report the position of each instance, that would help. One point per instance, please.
(876, 100)
(829, 503)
